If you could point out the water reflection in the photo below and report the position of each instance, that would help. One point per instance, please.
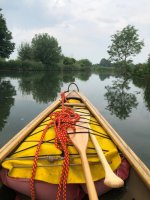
(7, 93)
(120, 101)
(84, 76)
(106, 75)
(69, 76)
(145, 85)
(43, 86)
(147, 96)
(103, 76)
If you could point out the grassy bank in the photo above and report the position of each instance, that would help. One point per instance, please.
(30, 65)
(17, 65)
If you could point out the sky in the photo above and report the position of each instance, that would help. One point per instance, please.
(83, 28)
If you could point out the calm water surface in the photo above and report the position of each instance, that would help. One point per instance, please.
(124, 103)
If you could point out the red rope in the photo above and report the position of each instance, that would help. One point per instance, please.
(32, 188)
(61, 120)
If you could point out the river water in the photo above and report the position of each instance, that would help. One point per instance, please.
(125, 103)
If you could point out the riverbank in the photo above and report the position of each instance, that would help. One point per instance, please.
(31, 65)
(139, 70)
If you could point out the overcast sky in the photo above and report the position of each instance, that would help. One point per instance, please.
(82, 27)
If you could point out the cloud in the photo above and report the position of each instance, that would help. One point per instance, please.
(82, 28)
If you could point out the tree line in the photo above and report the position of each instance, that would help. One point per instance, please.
(44, 53)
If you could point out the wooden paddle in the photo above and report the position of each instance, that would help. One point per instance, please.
(111, 179)
(80, 141)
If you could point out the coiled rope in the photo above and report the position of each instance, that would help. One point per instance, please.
(61, 120)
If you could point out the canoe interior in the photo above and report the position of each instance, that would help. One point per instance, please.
(134, 189)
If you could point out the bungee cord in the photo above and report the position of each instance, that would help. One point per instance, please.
(89, 131)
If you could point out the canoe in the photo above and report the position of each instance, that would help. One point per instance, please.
(31, 166)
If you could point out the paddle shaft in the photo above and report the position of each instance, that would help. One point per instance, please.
(88, 177)
(80, 142)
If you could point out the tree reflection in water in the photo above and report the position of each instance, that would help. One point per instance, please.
(7, 93)
(120, 101)
(43, 86)
(147, 95)
(144, 83)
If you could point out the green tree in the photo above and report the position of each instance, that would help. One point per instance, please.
(25, 52)
(148, 63)
(105, 63)
(85, 63)
(125, 45)
(69, 61)
(46, 49)
(6, 46)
